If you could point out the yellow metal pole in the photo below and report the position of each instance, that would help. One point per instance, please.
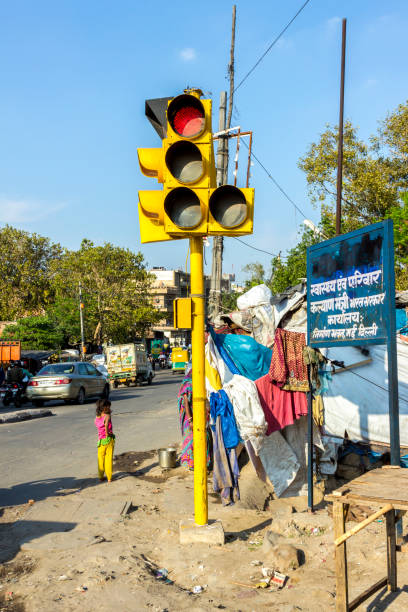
(199, 395)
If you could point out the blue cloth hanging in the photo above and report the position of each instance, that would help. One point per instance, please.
(250, 358)
(223, 353)
(221, 406)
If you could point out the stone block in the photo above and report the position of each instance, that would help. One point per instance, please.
(280, 555)
(212, 534)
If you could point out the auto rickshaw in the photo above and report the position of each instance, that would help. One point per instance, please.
(179, 359)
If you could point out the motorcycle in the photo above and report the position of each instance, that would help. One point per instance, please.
(13, 393)
(162, 361)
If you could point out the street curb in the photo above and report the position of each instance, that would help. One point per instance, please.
(26, 415)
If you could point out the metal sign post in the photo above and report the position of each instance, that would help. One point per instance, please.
(351, 302)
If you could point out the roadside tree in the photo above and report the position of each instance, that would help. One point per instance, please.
(116, 290)
(25, 261)
(36, 333)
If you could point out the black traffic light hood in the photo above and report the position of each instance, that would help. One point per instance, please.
(155, 111)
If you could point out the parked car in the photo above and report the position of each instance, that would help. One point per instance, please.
(70, 381)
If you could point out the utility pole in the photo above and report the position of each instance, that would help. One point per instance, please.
(222, 176)
(81, 319)
(340, 144)
(222, 162)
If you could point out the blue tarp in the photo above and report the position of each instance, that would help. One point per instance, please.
(401, 320)
(250, 358)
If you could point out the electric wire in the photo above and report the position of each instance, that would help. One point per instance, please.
(255, 248)
(401, 399)
(275, 182)
(273, 43)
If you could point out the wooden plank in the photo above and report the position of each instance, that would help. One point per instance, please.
(360, 526)
(352, 366)
(380, 501)
(341, 558)
(366, 594)
(391, 552)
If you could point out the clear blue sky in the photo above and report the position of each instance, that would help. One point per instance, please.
(75, 74)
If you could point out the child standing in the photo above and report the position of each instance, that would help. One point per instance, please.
(106, 439)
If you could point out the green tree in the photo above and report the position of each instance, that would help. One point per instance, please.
(256, 274)
(25, 282)
(229, 301)
(35, 332)
(116, 290)
(293, 270)
(375, 178)
(64, 314)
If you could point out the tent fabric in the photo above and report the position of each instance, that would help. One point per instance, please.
(251, 359)
(401, 321)
(218, 341)
(357, 400)
(279, 461)
(249, 415)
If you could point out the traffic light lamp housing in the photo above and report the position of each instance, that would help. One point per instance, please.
(230, 211)
(190, 203)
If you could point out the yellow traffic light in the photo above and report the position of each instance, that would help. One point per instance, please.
(231, 211)
(190, 203)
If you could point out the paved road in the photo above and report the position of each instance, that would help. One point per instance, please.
(40, 456)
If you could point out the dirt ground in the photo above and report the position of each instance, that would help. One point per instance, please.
(87, 548)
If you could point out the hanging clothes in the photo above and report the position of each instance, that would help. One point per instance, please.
(313, 358)
(249, 415)
(226, 470)
(251, 359)
(216, 370)
(220, 406)
(281, 408)
(325, 377)
(318, 410)
(288, 369)
(256, 461)
(224, 354)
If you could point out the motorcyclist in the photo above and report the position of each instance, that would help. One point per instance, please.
(27, 374)
(15, 373)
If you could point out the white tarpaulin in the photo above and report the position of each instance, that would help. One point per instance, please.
(357, 400)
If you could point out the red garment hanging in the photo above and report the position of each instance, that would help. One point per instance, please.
(281, 408)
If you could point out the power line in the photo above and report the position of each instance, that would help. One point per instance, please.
(401, 399)
(255, 248)
(271, 45)
(275, 182)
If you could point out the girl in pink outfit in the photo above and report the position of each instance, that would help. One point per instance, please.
(106, 439)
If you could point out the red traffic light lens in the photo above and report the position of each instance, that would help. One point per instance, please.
(186, 116)
(188, 122)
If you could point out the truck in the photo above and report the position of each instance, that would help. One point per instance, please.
(10, 350)
(128, 364)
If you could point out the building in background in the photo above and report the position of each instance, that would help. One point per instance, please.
(172, 284)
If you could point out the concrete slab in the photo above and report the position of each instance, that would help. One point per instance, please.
(212, 534)
(24, 415)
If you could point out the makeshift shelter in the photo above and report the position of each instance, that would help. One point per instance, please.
(353, 401)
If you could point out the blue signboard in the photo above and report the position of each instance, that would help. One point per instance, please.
(350, 288)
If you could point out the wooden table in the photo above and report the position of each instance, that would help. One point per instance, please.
(387, 490)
